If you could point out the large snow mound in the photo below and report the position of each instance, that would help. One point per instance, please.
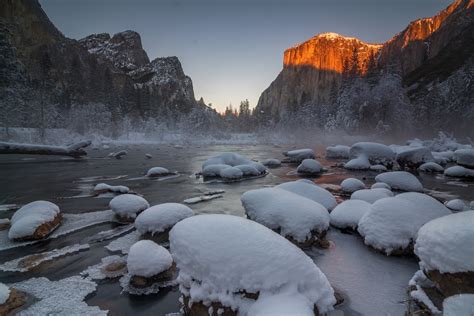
(413, 157)
(348, 213)
(400, 180)
(376, 153)
(103, 187)
(371, 195)
(4, 293)
(309, 166)
(299, 155)
(221, 255)
(146, 259)
(338, 152)
(350, 185)
(231, 166)
(465, 157)
(282, 305)
(459, 305)
(457, 205)
(128, 205)
(28, 218)
(271, 163)
(431, 167)
(295, 215)
(445, 243)
(392, 223)
(161, 217)
(459, 172)
(358, 163)
(157, 171)
(311, 191)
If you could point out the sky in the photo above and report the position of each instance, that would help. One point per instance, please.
(231, 49)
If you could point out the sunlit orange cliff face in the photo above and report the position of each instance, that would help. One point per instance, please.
(316, 67)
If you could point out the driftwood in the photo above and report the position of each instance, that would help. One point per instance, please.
(75, 150)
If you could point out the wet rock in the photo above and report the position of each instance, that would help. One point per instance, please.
(452, 283)
(15, 299)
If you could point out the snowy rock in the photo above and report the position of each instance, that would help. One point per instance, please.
(431, 167)
(338, 152)
(400, 180)
(104, 188)
(378, 168)
(459, 172)
(158, 172)
(371, 195)
(34, 220)
(161, 218)
(231, 173)
(380, 185)
(147, 260)
(299, 155)
(445, 244)
(376, 153)
(248, 170)
(443, 157)
(465, 157)
(412, 158)
(282, 304)
(359, 163)
(271, 163)
(294, 216)
(204, 248)
(309, 166)
(311, 191)
(348, 213)
(459, 305)
(457, 205)
(391, 225)
(238, 166)
(127, 206)
(350, 185)
(148, 156)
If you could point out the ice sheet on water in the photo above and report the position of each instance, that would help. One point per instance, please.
(202, 198)
(99, 271)
(123, 244)
(28, 262)
(70, 224)
(153, 289)
(111, 233)
(63, 297)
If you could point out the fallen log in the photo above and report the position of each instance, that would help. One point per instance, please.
(75, 150)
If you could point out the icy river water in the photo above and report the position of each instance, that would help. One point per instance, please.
(371, 283)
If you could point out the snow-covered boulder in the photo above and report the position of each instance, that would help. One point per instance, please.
(159, 219)
(378, 168)
(295, 217)
(391, 225)
(358, 163)
(338, 152)
(445, 248)
(10, 299)
(231, 166)
(400, 180)
(350, 185)
(105, 188)
(158, 172)
(465, 157)
(376, 153)
(309, 166)
(127, 206)
(443, 157)
(271, 163)
(459, 172)
(248, 170)
(371, 195)
(310, 191)
(456, 205)
(459, 305)
(412, 158)
(231, 173)
(282, 304)
(347, 214)
(380, 185)
(204, 248)
(430, 167)
(148, 263)
(34, 220)
(298, 155)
